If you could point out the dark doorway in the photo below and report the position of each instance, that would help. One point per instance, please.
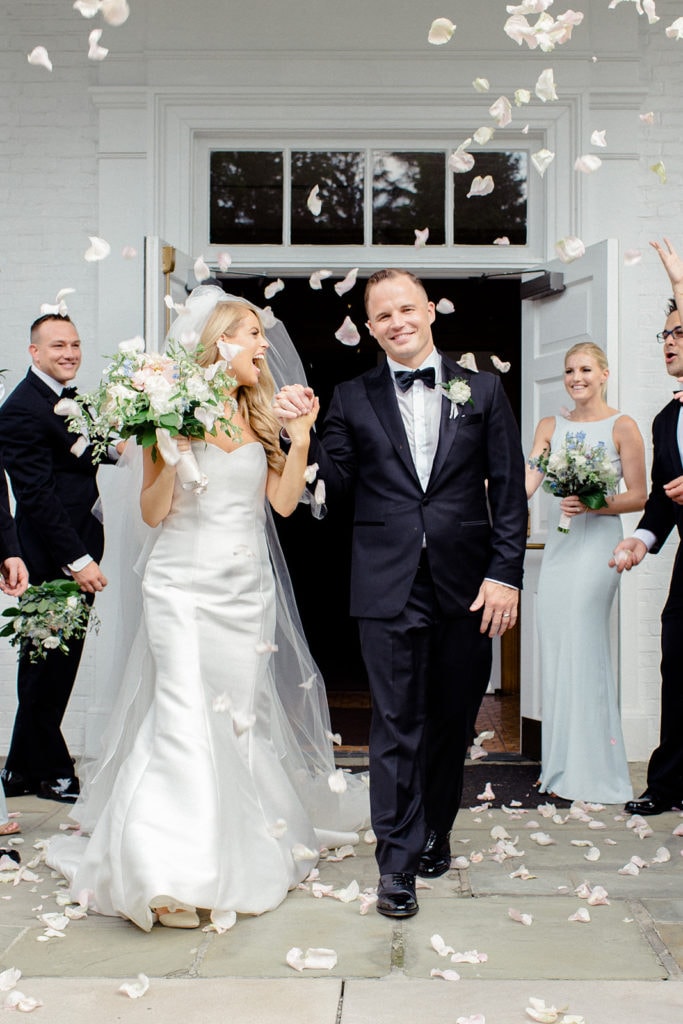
(486, 321)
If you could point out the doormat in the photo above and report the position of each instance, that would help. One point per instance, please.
(510, 780)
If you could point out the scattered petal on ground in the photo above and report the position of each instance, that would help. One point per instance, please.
(135, 989)
(319, 959)
(447, 975)
(517, 915)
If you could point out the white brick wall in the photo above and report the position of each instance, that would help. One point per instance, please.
(49, 199)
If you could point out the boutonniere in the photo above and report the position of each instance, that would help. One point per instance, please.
(458, 392)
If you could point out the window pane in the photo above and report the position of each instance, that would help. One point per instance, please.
(408, 193)
(339, 177)
(482, 219)
(246, 198)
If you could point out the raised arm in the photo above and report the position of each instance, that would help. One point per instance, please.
(673, 264)
(284, 490)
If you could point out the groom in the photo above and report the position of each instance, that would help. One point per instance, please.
(438, 546)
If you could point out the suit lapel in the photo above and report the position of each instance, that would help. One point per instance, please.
(673, 413)
(382, 397)
(448, 427)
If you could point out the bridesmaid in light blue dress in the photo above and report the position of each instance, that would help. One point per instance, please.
(583, 755)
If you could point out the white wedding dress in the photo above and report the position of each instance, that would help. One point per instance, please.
(209, 793)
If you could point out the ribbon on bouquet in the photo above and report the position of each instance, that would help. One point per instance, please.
(189, 473)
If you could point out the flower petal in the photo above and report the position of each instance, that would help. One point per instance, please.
(440, 947)
(421, 236)
(317, 277)
(481, 186)
(115, 12)
(224, 260)
(545, 86)
(517, 915)
(9, 978)
(88, 8)
(201, 270)
(447, 975)
(441, 30)
(273, 288)
(481, 84)
(342, 287)
(314, 202)
(135, 989)
(542, 160)
(445, 306)
(468, 362)
(99, 249)
(348, 333)
(337, 781)
(483, 135)
(631, 257)
(129, 252)
(649, 118)
(501, 111)
(675, 29)
(500, 365)
(570, 248)
(95, 51)
(598, 138)
(588, 163)
(503, 240)
(660, 170)
(522, 96)
(39, 56)
(460, 161)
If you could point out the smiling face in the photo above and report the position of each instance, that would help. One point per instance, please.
(584, 378)
(247, 346)
(56, 349)
(400, 318)
(673, 347)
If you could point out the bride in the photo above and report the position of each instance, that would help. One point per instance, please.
(216, 787)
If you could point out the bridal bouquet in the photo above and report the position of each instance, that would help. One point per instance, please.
(577, 468)
(151, 396)
(47, 616)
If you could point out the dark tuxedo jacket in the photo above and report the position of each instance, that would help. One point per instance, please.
(9, 544)
(661, 514)
(471, 532)
(54, 490)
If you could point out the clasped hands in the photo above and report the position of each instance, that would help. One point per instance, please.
(296, 408)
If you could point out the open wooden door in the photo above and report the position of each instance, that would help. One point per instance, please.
(586, 311)
(168, 271)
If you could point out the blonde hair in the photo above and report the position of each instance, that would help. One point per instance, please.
(254, 402)
(592, 350)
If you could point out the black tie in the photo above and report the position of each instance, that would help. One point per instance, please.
(69, 392)
(406, 378)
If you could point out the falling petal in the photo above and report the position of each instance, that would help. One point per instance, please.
(525, 129)
(476, 753)
(307, 683)
(342, 287)
(678, 831)
(128, 252)
(95, 51)
(441, 30)
(460, 161)
(440, 947)
(201, 271)
(115, 12)
(421, 236)
(273, 288)
(631, 257)
(39, 56)
(88, 8)
(522, 97)
(501, 111)
(481, 84)
(337, 781)
(224, 261)
(500, 365)
(520, 31)
(483, 135)
(481, 186)
(310, 474)
(278, 828)
(545, 86)
(445, 306)
(314, 202)
(598, 138)
(660, 171)
(334, 737)
(516, 915)
(135, 989)
(317, 277)
(313, 959)
(447, 975)
(468, 362)
(369, 837)
(649, 8)
(588, 163)
(542, 160)
(503, 240)
(675, 30)
(570, 248)
(530, 7)
(649, 118)
(242, 721)
(348, 333)
(99, 249)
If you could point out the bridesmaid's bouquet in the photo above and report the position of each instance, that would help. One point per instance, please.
(46, 617)
(577, 468)
(151, 396)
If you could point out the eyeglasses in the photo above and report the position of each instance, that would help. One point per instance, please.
(676, 334)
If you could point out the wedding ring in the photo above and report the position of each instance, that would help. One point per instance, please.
(506, 615)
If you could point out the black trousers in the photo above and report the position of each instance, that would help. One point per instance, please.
(38, 750)
(665, 770)
(428, 673)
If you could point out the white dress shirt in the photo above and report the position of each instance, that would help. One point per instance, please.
(420, 408)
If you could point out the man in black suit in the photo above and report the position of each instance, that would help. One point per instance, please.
(664, 511)
(13, 572)
(55, 489)
(438, 546)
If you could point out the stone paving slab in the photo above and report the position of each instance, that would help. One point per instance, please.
(503, 1002)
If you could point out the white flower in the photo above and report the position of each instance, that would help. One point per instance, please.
(132, 345)
(458, 392)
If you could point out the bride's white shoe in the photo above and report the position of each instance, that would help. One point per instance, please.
(180, 918)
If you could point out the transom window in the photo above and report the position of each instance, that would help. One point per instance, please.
(377, 197)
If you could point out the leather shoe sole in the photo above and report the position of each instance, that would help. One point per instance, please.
(648, 803)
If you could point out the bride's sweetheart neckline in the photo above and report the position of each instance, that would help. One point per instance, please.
(232, 451)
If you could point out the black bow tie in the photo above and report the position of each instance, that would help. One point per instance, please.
(406, 378)
(69, 392)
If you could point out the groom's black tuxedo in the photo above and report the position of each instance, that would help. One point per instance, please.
(661, 515)
(55, 491)
(427, 662)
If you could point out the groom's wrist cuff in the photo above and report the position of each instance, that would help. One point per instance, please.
(500, 582)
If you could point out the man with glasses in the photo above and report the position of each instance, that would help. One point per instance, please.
(55, 488)
(663, 511)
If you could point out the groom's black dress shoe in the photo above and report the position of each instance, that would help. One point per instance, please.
(65, 790)
(435, 859)
(15, 784)
(648, 803)
(396, 895)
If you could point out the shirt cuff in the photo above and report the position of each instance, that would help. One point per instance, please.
(79, 564)
(648, 538)
(500, 582)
